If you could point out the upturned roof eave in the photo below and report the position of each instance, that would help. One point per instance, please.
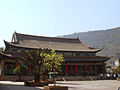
(28, 47)
(5, 55)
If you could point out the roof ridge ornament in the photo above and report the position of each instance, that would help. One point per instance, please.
(77, 37)
(14, 38)
(15, 31)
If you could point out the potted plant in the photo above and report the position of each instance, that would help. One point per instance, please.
(53, 76)
(41, 61)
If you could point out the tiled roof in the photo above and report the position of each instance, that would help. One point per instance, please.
(4, 55)
(86, 58)
(56, 43)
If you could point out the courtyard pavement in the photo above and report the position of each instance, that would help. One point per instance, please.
(73, 85)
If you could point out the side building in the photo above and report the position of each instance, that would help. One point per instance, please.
(79, 58)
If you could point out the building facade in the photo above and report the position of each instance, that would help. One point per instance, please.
(79, 58)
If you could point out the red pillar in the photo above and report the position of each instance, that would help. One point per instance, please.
(103, 68)
(66, 68)
(29, 70)
(16, 64)
(2, 65)
(95, 68)
(86, 68)
(76, 69)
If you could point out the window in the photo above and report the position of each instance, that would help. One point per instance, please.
(9, 67)
(78, 54)
(59, 53)
(14, 49)
(68, 54)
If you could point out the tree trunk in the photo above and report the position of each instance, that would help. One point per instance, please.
(19, 77)
(37, 77)
(43, 77)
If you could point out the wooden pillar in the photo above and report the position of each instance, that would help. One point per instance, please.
(29, 70)
(66, 69)
(16, 64)
(95, 69)
(76, 69)
(2, 67)
(86, 68)
(71, 69)
(103, 68)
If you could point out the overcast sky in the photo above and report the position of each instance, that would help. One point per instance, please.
(56, 17)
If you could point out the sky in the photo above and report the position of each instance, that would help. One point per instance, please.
(56, 17)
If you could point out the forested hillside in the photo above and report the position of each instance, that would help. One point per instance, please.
(107, 39)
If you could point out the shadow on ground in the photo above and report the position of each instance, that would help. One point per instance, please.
(67, 83)
(17, 87)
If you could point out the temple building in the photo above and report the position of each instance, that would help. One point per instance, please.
(79, 58)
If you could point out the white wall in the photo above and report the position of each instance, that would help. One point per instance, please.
(117, 62)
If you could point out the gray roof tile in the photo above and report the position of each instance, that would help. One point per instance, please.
(56, 43)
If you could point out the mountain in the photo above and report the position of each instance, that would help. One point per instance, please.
(107, 39)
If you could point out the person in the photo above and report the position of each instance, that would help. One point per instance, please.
(108, 76)
(114, 76)
(101, 76)
(118, 76)
(119, 88)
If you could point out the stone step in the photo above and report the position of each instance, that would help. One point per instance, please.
(78, 78)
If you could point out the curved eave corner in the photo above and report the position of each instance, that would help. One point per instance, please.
(108, 58)
(98, 50)
(6, 43)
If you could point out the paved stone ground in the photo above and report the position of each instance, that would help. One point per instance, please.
(73, 85)
(9, 85)
(93, 85)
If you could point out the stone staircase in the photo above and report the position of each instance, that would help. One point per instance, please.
(78, 78)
